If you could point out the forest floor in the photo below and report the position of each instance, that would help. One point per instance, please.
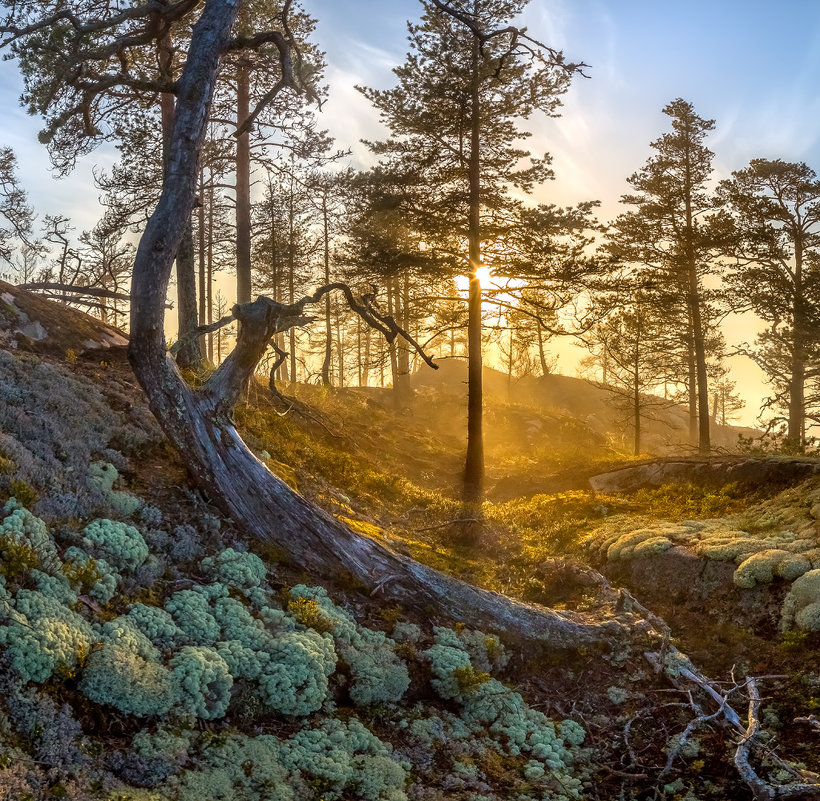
(395, 475)
(716, 560)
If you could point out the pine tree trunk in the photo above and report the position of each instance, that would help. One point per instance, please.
(692, 389)
(340, 348)
(542, 354)
(210, 285)
(402, 309)
(366, 365)
(292, 276)
(243, 190)
(328, 329)
(391, 347)
(203, 314)
(474, 465)
(696, 317)
(189, 355)
(797, 380)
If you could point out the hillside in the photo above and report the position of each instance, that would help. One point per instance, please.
(591, 404)
(152, 652)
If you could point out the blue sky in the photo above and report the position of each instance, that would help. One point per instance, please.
(753, 66)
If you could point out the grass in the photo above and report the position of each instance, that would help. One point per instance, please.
(395, 477)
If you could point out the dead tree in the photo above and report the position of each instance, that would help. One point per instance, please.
(198, 422)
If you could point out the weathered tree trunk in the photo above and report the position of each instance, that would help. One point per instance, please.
(474, 464)
(189, 356)
(197, 421)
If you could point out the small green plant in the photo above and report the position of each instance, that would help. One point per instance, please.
(308, 612)
(18, 558)
(469, 679)
(23, 492)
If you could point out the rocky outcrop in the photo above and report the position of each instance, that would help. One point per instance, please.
(781, 470)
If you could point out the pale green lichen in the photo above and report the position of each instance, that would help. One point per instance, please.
(120, 504)
(157, 625)
(41, 635)
(101, 578)
(203, 681)
(377, 674)
(192, 613)
(295, 678)
(234, 568)
(801, 606)
(121, 545)
(132, 684)
(22, 527)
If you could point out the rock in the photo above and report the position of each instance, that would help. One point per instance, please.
(717, 473)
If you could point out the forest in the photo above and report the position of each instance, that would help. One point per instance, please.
(299, 502)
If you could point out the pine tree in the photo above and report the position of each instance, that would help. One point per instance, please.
(774, 209)
(469, 79)
(664, 237)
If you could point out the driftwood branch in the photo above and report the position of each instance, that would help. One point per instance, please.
(264, 318)
(90, 291)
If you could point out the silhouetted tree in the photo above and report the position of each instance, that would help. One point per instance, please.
(663, 236)
(467, 82)
(775, 222)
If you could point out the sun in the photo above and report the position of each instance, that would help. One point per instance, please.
(484, 275)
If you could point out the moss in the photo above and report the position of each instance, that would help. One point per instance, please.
(23, 493)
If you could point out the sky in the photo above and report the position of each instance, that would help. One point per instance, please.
(751, 65)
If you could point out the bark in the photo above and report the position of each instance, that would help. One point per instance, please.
(328, 329)
(692, 389)
(405, 389)
(203, 268)
(210, 281)
(197, 422)
(186, 271)
(542, 354)
(340, 349)
(391, 347)
(243, 189)
(190, 355)
(695, 315)
(366, 366)
(636, 410)
(474, 464)
(797, 380)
